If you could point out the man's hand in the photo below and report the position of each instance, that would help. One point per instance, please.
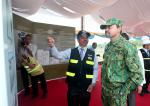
(91, 87)
(139, 89)
(31, 66)
(50, 41)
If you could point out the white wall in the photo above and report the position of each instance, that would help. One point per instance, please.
(8, 84)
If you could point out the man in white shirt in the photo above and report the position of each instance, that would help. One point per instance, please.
(131, 99)
(82, 69)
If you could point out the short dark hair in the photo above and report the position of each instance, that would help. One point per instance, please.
(28, 35)
(94, 43)
(81, 33)
(125, 35)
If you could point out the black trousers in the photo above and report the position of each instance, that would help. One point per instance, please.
(34, 82)
(25, 79)
(78, 97)
(131, 99)
(147, 78)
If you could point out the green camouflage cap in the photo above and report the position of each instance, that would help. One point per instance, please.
(111, 21)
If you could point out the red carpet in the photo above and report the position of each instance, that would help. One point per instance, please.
(57, 96)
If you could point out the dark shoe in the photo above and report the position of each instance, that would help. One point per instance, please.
(147, 91)
(26, 93)
(34, 96)
(142, 94)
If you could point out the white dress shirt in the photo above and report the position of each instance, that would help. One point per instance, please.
(33, 48)
(22, 50)
(143, 70)
(147, 52)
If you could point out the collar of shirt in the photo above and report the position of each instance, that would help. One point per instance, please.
(145, 50)
(30, 46)
(85, 48)
(117, 42)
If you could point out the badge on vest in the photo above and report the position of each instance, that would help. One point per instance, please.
(89, 57)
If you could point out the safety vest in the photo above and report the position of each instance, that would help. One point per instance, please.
(37, 70)
(146, 59)
(80, 72)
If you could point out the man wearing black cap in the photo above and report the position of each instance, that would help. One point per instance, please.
(82, 69)
(121, 69)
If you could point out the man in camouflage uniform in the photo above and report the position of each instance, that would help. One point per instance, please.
(121, 69)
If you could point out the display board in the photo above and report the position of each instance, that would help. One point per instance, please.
(64, 37)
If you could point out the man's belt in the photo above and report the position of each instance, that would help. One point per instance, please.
(146, 58)
(147, 70)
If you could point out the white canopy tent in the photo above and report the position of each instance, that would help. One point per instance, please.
(68, 8)
(134, 13)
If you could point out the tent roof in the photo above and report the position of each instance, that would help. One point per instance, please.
(134, 13)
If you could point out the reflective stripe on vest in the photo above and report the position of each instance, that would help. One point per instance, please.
(70, 74)
(147, 70)
(146, 58)
(73, 61)
(89, 76)
(34, 69)
(27, 68)
(90, 62)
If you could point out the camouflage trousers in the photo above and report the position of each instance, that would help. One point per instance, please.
(114, 100)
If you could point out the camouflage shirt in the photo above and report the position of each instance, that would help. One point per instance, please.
(121, 69)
